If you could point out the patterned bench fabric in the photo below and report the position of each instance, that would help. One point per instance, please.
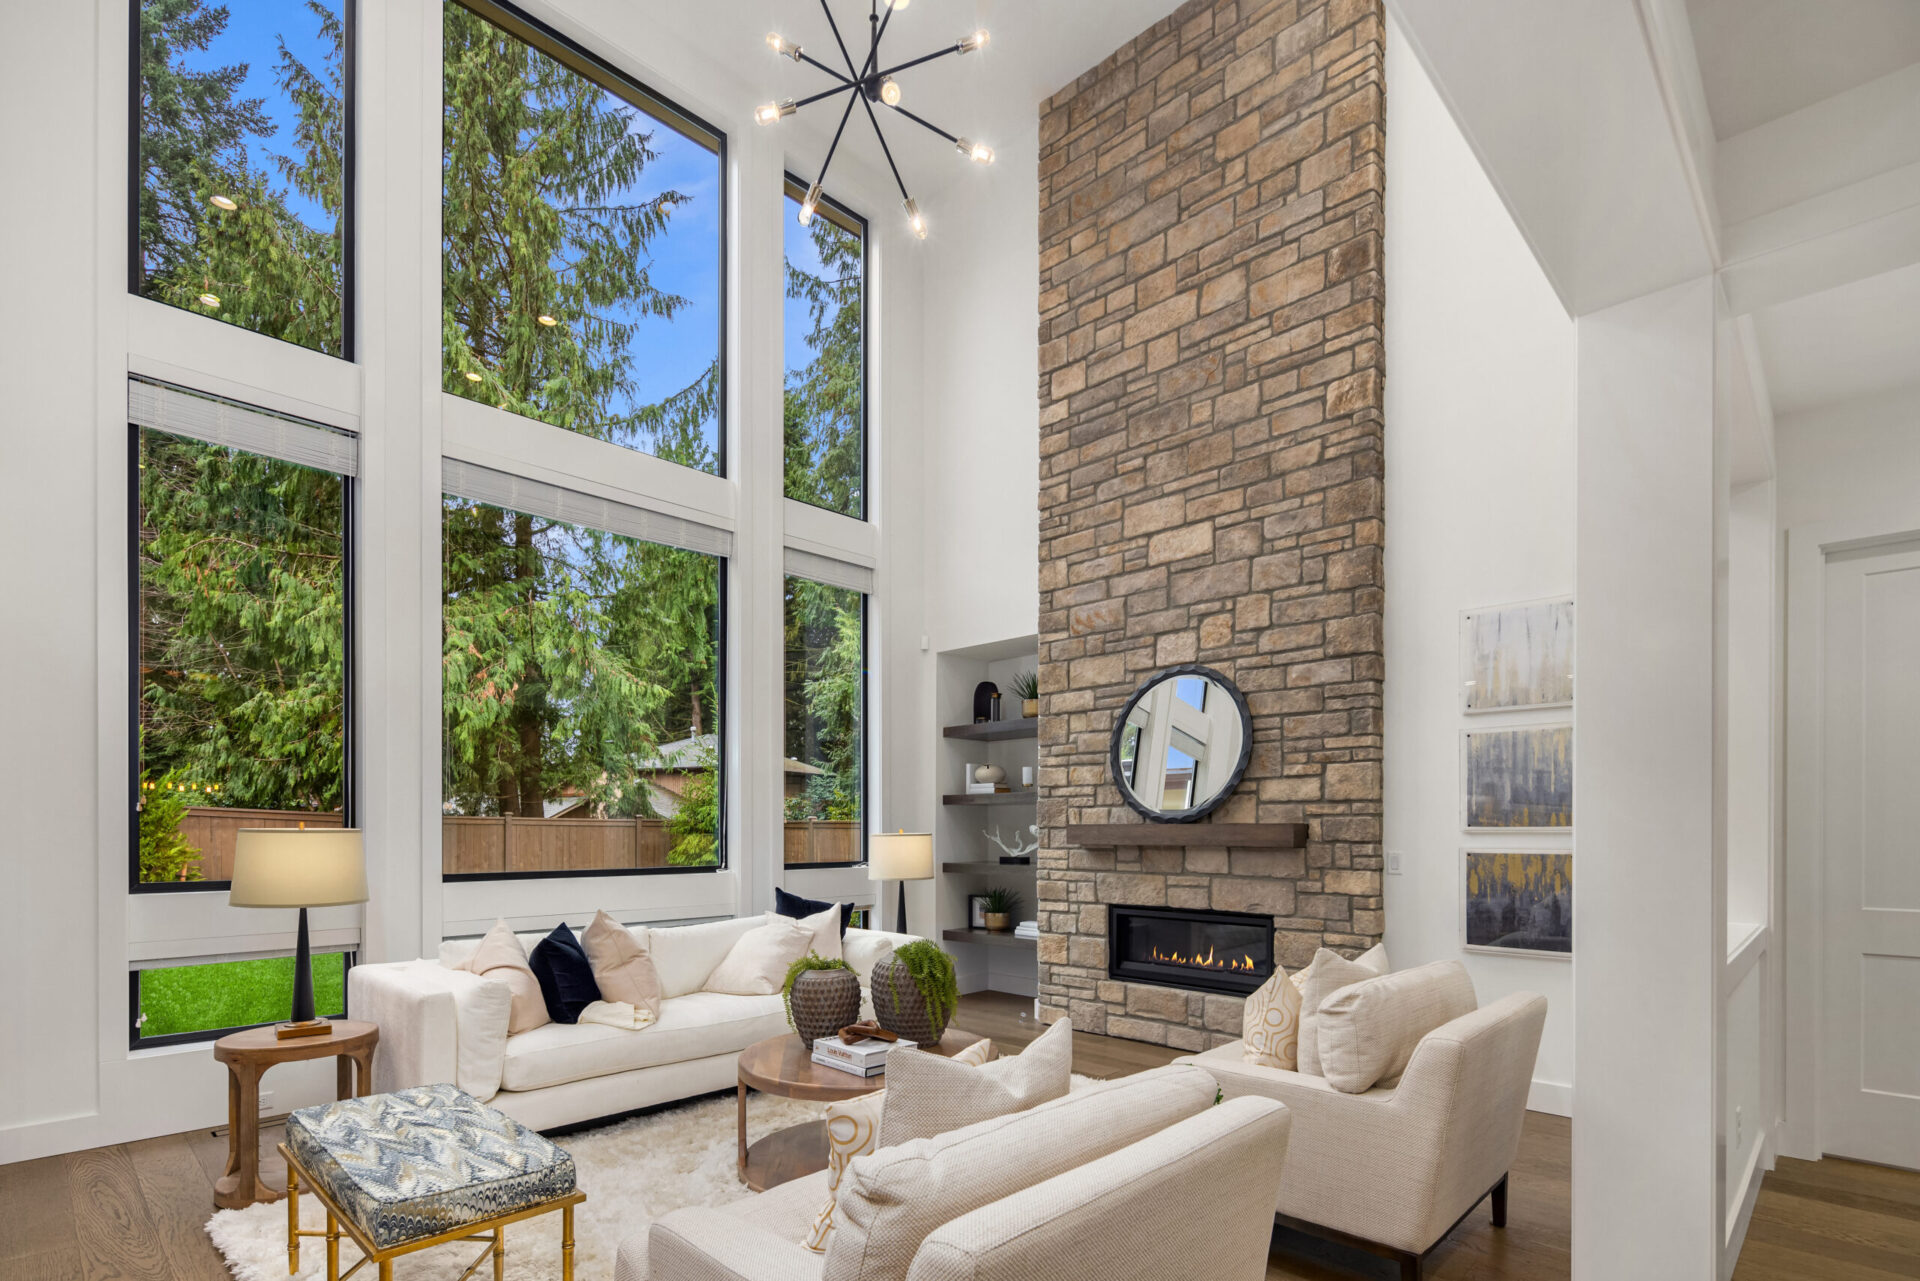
(423, 1161)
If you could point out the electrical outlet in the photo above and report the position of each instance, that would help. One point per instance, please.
(266, 1102)
(1739, 1129)
(1393, 862)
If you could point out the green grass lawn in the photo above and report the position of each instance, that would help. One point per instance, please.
(200, 998)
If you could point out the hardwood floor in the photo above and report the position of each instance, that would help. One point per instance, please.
(134, 1211)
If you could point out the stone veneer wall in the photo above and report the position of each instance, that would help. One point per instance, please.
(1210, 472)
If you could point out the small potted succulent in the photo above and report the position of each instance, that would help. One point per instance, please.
(1000, 904)
(1026, 688)
(822, 996)
(915, 992)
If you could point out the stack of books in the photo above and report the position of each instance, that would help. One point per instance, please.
(866, 1057)
(1027, 930)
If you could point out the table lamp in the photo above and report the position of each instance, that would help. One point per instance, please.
(902, 857)
(299, 867)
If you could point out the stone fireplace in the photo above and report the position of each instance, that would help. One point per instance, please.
(1201, 950)
(1211, 483)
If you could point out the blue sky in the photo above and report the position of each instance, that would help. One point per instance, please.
(252, 36)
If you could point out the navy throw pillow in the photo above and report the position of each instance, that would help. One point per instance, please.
(793, 905)
(566, 979)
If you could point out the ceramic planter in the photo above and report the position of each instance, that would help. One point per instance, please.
(824, 1001)
(898, 1005)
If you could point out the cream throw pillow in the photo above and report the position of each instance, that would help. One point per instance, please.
(622, 968)
(1270, 1026)
(757, 965)
(826, 934)
(1328, 974)
(1369, 1030)
(929, 1095)
(500, 956)
(853, 1129)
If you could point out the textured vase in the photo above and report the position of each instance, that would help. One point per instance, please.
(900, 1008)
(824, 1001)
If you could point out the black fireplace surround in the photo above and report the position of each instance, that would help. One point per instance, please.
(1203, 951)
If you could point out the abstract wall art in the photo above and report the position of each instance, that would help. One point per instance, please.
(1519, 902)
(1518, 779)
(1516, 656)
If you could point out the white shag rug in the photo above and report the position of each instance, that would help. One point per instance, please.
(633, 1172)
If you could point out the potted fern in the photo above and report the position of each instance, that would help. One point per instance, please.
(1026, 688)
(822, 996)
(1000, 904)
(915, 992)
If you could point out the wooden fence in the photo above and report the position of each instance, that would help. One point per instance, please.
(481, 845)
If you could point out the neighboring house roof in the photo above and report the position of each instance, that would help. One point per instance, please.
(686, 753)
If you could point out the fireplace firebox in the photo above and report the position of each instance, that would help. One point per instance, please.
(1200, 950)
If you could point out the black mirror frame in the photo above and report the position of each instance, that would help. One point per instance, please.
(1198, 812)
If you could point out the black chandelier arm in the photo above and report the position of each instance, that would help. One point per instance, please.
(925, 124)
(812, 61)
(873, 54)
(834, 146)
(835, 27)
(825, 93)
(929, 57)
(884, 148)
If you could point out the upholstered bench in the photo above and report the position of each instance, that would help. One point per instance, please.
(421, 1167)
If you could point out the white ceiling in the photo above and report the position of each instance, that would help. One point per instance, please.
(1861, 339)
(1762, 59)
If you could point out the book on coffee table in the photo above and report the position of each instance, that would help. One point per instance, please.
(868, 1053)
(838, 1066)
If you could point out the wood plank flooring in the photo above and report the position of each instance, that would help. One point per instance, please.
(134, 1211)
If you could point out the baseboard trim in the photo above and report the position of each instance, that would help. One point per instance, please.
(1550, 1096)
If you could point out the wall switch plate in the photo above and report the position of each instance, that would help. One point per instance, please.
(1393, 862)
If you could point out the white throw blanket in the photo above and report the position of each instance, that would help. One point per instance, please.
(617, 1014)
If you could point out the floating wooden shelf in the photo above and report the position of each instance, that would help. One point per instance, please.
(1285, 836)
(990, 937)
(995, 731)
(993, 798)
(985, 865)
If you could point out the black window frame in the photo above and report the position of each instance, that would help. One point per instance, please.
(841, 215)
(349, 164)
(866, 739)
(604, 70)
(349, 771)
(721, 719)
(137, 1042)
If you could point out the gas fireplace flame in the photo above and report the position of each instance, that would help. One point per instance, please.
(1206, 961)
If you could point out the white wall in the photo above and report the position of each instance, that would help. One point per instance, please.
(1850, 459)
(1480, 499)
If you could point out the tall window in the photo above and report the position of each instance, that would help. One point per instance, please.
(181, 1003)
(826, 361)
(581, 698)
(581, 224)
(241, 138)
(825, 762)
(240, 580)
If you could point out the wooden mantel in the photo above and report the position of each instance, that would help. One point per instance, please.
(1285, 836)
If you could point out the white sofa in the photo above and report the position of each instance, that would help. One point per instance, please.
(439, 1023)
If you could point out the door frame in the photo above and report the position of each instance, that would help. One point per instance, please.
(1801, 1130)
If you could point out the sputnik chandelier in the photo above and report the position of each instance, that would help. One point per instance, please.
(866, 84)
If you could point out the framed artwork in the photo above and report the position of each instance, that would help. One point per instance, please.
(1518, 902)
(1517, 656)
(1517, 780)
(976, 911)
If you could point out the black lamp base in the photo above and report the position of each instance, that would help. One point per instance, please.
(303, 1024)
(900, 916)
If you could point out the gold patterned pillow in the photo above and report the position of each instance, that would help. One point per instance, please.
(853, 1129)
(1271, 1024)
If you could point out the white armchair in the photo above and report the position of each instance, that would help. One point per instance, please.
(1393, 1170)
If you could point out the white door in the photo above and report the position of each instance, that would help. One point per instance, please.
(1870, 1075)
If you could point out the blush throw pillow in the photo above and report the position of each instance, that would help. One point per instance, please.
(757, 965)
(566, 976)
(622, 968)
(1329, 973)
(929, 1095)
(500, 956)
(1270, 1025)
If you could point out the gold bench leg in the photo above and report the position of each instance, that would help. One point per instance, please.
(333, 1247)
(566, 1243)
(293, 1220)
(500, 1253)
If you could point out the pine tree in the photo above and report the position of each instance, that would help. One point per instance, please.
(822, 420)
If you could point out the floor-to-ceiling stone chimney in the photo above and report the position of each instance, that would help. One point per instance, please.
(1210, 472)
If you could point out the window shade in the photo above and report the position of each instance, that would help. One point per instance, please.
(179, 412)
(825, 569)
(538, 498)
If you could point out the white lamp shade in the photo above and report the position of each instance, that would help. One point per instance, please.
(298, 867)
(900, 856)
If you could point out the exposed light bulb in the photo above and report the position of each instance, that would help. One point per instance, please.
(209, 300)
(978, 40)
(890, 91)
(899, 4)
(774, 111)
(548, 321)
(472, 377)
(783, 46)
(978, 152)
(811, 203)
(223, 202)
(915, 219)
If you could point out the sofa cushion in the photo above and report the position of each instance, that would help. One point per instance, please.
(825, 925)
(1368, 1030)
(864, 949)
(758, 963)
(694, 1026)
(684, 955)
(566, 977)
(1270, 1023)
(799, 908)
(622, 966)
(1328, 974)
(501, 956)
(929, 1095)
(889, 1202)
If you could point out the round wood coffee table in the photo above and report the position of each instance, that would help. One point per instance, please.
(784, 1065)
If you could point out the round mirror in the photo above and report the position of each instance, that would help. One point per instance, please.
(1181, 744)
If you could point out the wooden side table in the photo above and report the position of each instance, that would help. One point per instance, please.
(248, 1055)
